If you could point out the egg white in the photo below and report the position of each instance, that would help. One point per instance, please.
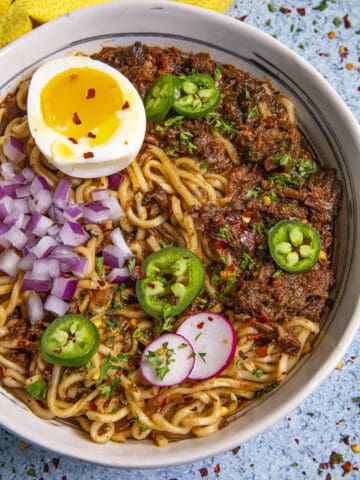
(113, 155)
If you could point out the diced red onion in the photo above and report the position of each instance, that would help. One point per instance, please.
(9, 262)
(54, 231)
(10, 189)
(66, 255)
(95, 212)
(23, 191)
(38, 184)
(56, 305)
(19, 178)
(113, 256)
(16, 237)
(41, 201)
(73, 234)
(118, 275)
(62, 190)
(46, 268)
(7, 171)
(64, 287)
(39, 224)
(16, 219)
(35, 284)
(115, 210)
(114, 181)
(13, 149)
(44, 247)
(26, 263)
(80, 267)
(19, 205)
(119, 241)
(28, 174)
(101, 194)
(5, 207)
(72, 212)
(34, 307)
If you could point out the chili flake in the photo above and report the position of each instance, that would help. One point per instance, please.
(90, 93)
(347, 22)
(285, 10)
(349, 66)
(76, 119)
(88, 154)
(125, 105)
(91, 135)
(331, 35)
(301, 11)
(347, 467)
(217, 468)
(73, 140)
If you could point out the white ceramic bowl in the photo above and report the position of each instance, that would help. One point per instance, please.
(334, 135)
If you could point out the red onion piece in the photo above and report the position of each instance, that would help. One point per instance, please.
(95, 212)
(115, 210)
(28, 174)
(55, 305)
(113, 256)
(114, 181)
(9, 189)
(19, 178)
(101, 194)
(13, 149)
(35, 284)
(64, 287)
(9, 262)
(44, 247)
(62, 190)
(5, 206)
(41, 201)
(39, 224)
(81, 266)
(72, 212)
(16, 237)
(26, 263)
(34, 307)
(46, 268)
(23, 191)
(118, 275)
(7, 171)
(38, 184)
(119, 241)
(73, 234)
(19, 205)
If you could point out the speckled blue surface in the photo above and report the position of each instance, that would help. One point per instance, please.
(301, 445)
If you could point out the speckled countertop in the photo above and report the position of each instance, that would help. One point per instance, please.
(319, 439)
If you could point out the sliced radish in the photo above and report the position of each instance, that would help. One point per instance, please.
(213, 339)
(167, 361)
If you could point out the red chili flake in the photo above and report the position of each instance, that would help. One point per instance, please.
(126, 105)
(328, 476)
(55, 462)
(91, 135)
(285, 10)
(210, 319)
(347, 22)
(343, 51)
(93, 406)
(73, 77)
(219, 244)
(76, 119)
(231, 268)
(46, 468)
(203, 472)
(90, 93)
(254, 336)
(323, 54)
(200, 325)
(262, 319)
(2, 372)
(217, 468)
(301, 11)
(358, 89)
(101, 283)
(347, 467)
(261, 352)
(88, 154)
(235, 450)
(242, 18)
(297, 441)
(64, 477)
(73, 140)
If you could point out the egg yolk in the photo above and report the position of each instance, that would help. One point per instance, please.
(82, 102)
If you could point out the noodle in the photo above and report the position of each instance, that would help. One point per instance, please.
(108, 398)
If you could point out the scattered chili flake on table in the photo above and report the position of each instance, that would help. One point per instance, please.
(349, 66)
(285, 10)
(331, 35)
(203, 472)
(235, 450)
(347, 22)
(217, 468)
(347, 467)
(301, 11)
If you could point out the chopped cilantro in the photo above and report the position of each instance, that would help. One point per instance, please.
(252, 112)
(204, 166)
(294, 464)
(161, 361)
(246, 262)
(110, 340)
(218, 72)
(257, 372)
(224, 233)
(217, 122)
(323, 5)
(37, 389)
(268, 22)
(253, 192)
(281, 158)
(266, 389)
(137, 333)
(336, 457)
(185, 138)
(105, 367)
(99, 266)
(271, 7)
(202, 355)
(131, 265)
(175, 122)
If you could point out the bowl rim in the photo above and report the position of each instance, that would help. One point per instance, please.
(210, 447)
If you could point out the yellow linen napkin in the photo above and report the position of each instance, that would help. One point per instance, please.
(19, 16)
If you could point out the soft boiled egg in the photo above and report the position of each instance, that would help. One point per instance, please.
(85, 116)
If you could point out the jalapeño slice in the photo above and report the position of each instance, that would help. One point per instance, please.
(294, 246)
(70, 341)
(174, 276)
(161, 96)
(199, 96)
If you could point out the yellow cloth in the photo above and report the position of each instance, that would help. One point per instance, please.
(18, 16)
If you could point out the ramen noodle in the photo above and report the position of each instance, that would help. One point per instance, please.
(213, 185)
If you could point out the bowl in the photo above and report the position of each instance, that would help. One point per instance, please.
(333, 134)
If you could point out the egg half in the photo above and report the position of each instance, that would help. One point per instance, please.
(85, 116)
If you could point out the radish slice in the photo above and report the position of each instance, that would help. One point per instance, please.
(167, 361)
(213, 339)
